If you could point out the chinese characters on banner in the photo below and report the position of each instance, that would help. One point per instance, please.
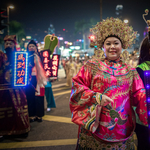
(50, 65)
(46, 62)
(21, 69)
(55, 65)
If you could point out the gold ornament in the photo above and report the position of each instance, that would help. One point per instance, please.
(148, 21)
(116, 27)
(125, 56)
(99, 54)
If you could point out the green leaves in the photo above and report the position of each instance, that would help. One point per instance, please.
(83, 26)
(16, 28)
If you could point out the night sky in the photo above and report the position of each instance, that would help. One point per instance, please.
(36, 15)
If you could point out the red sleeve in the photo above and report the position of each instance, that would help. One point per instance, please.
(83, 100)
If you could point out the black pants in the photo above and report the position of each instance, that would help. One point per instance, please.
(143, 137)
(35, 103)
(39, 106)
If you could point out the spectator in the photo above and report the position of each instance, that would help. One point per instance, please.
(35, 91)
(141, 130)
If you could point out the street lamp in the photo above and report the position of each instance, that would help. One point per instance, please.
(100, 10)
(23, 39)
(126, 20)
(11, 7)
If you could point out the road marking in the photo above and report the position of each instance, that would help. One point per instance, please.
(58, 97)
(63, 88)
(58, 85)
(57, 119)
(38, 143)
(68, 120)
(61, 93)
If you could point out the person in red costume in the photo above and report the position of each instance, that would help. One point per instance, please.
(14, 118)
(104, 91)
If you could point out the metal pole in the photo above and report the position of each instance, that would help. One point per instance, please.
(100, 10)
(8, 20)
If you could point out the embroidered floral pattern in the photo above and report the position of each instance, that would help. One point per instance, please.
(121, 85)
(89, 142)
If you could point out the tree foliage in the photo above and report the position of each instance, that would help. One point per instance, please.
(84, 26)
(80, 26)
(16, 28)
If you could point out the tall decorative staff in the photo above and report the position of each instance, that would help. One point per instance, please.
(50, 64)
(147, 75)
(147, 22)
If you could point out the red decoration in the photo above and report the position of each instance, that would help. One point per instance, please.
(46, 66)
(21, 73)
(45, 54)
(20, 80)
(20, 57)
(50, 65)
(21, 65)
(55, 65)
(48, 73)
(46, 62)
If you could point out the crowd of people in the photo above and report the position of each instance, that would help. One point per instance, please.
(72, 66)
(21, 106)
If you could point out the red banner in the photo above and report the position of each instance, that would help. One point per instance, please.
(50, 65)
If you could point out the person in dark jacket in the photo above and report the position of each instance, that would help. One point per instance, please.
(143, 64)
(37, 80)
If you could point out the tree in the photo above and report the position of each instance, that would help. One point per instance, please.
(83, 26)
(16, 28)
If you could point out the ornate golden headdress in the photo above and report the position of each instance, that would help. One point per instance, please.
(110, 27)
(147, 22)
(99, 54)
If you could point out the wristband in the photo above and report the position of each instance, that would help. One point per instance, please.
(100, 97)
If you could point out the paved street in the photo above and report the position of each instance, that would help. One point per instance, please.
(56, 132)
